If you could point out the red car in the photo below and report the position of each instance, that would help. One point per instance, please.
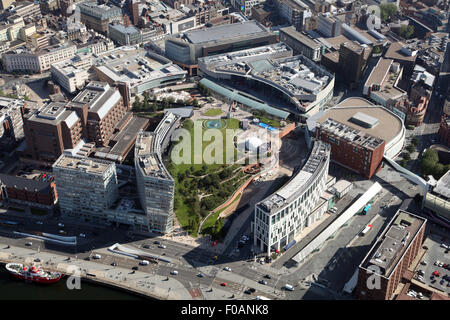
(223, 284)
(437, 274)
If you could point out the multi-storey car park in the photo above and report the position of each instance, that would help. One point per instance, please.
(283, 215)
(296, 80)
(155, 185)
(138, 69)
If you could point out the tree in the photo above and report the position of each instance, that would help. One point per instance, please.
(406, 156)
(411, 148)
(387, 10)
(195, 103)
(376, 50)
(415, 141)
(171, 100)
(180, 101)
(406, 31)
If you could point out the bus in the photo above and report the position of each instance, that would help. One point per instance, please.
(366, 209)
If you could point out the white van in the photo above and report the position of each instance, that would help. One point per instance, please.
(144, 263)
(289, 287)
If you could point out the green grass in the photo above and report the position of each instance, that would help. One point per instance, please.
(213, 112)
(184, 211)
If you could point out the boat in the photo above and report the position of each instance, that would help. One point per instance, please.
(32, 273)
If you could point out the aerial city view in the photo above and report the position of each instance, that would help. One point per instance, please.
(230, 150)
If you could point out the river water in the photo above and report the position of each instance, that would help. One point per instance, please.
(15, 289)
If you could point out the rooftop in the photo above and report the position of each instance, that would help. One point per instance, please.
(88, 165)
(379, 72)
(300, 181)
(443, 185)
(296, 76)
(307, 41)
(25, 184)
(99, 96)
(391, 246)
(54, 113)
(339, 118)
(395, 52)
(134, 65)
(223, 32)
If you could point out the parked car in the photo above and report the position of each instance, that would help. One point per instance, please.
(28, 244)
(223, 284)
(252, 290)
(37, 260)
(161, 246)
(39, 222)
(144, 263)
(200, 275)
(156, 242)
(442, 282)
(114, 264)
(82, 235)
(60, 224)
(146, 246)
(135, 268)
(227, 269)
(268, 276)
(174, 272)
(62, 232)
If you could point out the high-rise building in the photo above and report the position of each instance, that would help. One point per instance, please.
(353, 60)
(98, 17)
(156, 186)
(86, 187)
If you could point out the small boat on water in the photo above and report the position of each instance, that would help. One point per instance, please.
(32, 273)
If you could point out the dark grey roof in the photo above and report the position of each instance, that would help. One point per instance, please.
(25, 184)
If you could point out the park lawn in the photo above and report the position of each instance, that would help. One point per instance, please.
(213, 112)
(183, 212)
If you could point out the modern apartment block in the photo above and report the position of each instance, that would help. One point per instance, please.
(353, 60)
(86, 187)
(437, 200)
(156, 187)
(283, 215)
(301, 43)
(38, 61)
(98, 17)
(72, 74)
(384, 266)
(90, 117)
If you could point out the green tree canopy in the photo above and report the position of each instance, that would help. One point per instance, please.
(387, 10)
(406, 31)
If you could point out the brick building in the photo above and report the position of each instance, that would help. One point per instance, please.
(27, 191)
(352, 148)
(90, 118)
(388, 260)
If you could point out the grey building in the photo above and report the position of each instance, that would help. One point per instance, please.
(156, 187)
(301, 43)
(124, 36)
(86, 187)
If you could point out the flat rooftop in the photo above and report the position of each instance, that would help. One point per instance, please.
(54, 113)
(388, 128)
(99, 96)
(379, 72)
(300, 181)
(134, 65)
(391, 246)
(307, 41)
(89, 165)
(395, 52)
(443, 185)
(223, 32)
(296, 76)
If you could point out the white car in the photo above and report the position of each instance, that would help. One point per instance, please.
(174, 272)
(161, 246)
(39, 222)
(97, 256)
(60, 224)
(227, 269)
(82, 235)
(443, 245)
(144, 263)
(28, 244)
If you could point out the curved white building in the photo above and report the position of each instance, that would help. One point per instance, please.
(285, 213)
